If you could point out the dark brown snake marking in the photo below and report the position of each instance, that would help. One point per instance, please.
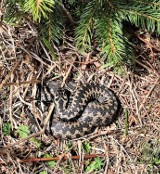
(92, 105)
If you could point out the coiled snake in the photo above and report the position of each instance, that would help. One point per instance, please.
(92, 105)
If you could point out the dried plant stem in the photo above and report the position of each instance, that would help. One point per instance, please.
(9, 74)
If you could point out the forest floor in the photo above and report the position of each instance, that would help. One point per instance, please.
(130, 145)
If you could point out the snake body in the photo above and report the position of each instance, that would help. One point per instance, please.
(93, 105)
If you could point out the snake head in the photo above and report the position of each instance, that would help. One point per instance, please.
(61, 94)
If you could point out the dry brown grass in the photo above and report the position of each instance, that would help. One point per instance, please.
(130, 145)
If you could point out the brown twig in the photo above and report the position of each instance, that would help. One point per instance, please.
(148, 43)
(135, 97)
(86, 61)
(10, 103)
(58, 158)
(149, 93)
(67, 74)
(21, 83)
(146, 67)
(3, 149)
(9, 74)
(61, 157)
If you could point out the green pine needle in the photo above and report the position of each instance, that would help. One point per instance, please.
(39, 8)
(100, 21)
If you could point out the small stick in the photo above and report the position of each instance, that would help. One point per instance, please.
(58, 158)
(10, 103)
(58, 162)
(126, 122)
(67, 74)
(147, 68)
(3, 149)
(145, 99)
(9, 74)
(22, 83)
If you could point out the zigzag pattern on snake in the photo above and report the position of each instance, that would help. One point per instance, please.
(92, 105)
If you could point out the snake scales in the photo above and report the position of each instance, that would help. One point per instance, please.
(92, 105)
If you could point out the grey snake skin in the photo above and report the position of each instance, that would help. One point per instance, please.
(92, 105)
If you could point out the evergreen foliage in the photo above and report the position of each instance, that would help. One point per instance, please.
(98, 20)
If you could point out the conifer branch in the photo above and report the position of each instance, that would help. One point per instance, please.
(101, 20)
